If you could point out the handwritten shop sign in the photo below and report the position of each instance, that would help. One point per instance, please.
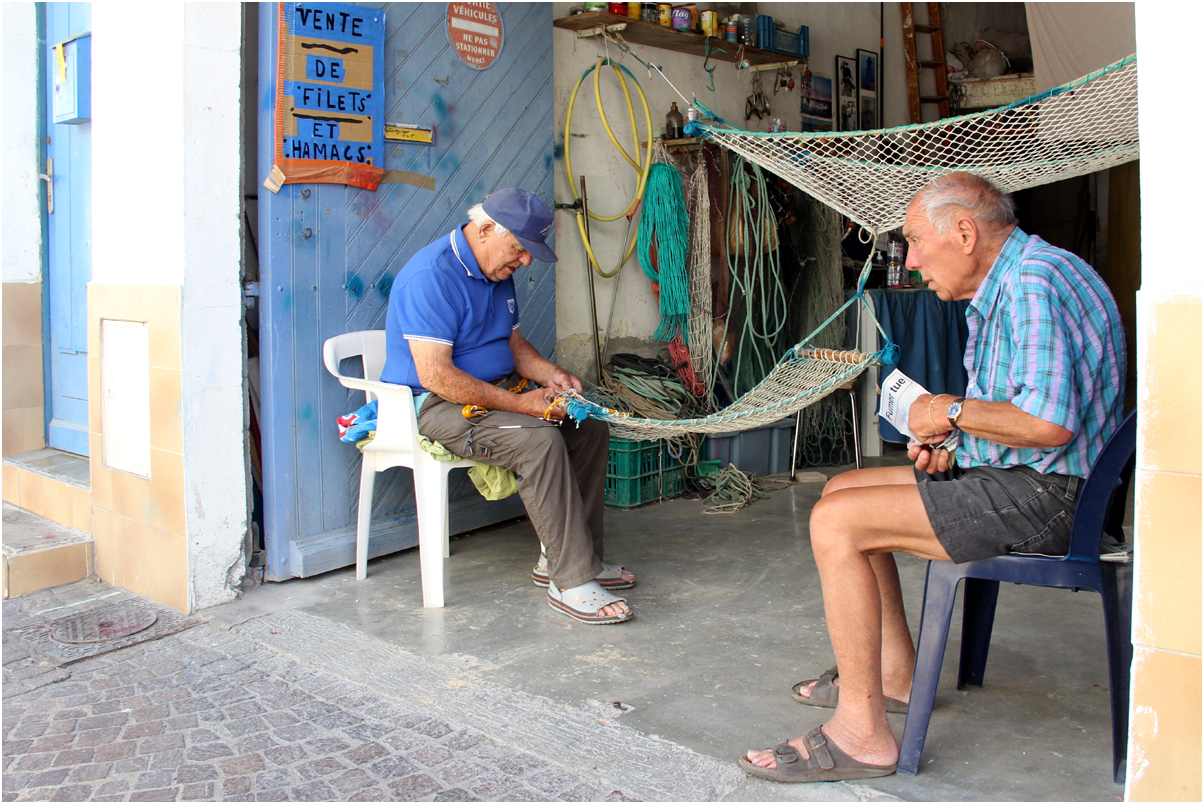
(475, 32)
(330, 98)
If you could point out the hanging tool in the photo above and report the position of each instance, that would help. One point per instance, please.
(593, 304)
(756, 103)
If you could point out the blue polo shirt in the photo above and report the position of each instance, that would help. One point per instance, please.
(442, 296)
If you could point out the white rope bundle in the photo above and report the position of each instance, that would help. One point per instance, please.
(871, 176)
(698, 265)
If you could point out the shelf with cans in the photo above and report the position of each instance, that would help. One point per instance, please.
(645, 31)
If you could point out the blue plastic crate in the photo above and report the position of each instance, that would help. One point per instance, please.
(770, 37)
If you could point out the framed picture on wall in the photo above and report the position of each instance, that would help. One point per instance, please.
(815, 103)
(847, 117)
(867, 88)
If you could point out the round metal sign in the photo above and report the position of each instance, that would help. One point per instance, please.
(103, 626)
(475, 32)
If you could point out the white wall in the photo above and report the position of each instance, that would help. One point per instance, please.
(166, 201)
(211, 333)
(137, 131)
(836, 28)
(19, 168)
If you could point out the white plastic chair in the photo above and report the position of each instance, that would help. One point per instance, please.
(396, 444)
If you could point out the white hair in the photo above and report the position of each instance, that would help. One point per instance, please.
(987, 204)
(478, 215)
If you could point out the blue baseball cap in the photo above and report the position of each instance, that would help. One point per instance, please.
(527, 218)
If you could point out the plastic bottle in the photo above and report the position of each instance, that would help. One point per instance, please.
(896, 274)
(777, 126)
(674, 124)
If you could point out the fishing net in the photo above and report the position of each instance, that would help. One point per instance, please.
(871, 177)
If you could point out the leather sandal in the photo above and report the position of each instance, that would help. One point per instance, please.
(825, 693)
(826, 763)
(583, 603)
(611, 576)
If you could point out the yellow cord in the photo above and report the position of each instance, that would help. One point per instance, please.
(643, 171)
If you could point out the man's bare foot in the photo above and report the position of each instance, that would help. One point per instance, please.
(878, 750)
(899, 692)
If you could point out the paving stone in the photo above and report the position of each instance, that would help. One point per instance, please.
(463, 740)
(328, 745)
(34, 762)
(161, 742)
(268, 780)
(369, 794)
(204, 751)
(414, 787)
(72, 792)
(323, 766)
(181, 722)
(76, 756)
(317, 790)
(154, 779)
(235, 787)
(143, 730)
(56, 743)
(48, 778)
(242, 765)
(112, 751)
(502, 789)
(551, 780)
(163, 794)
(433, 728)
(157, 712)
(114, 787)
(131, 765)
(351, 781)
(394, 767)
(167, 760)
(191, 773)
(97, 737)
(363, 754)
(198, 791)
(285, 754)
(455, 794)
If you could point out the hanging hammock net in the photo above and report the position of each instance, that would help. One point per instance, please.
(872, 176)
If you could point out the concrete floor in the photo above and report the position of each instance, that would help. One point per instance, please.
(728, 615)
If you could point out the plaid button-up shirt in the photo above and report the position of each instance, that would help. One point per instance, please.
(1046, 336)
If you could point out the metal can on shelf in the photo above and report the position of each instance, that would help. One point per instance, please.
(651, 13)
(710, 23)
(681, 18)
(665, 17)
(731, 28)
(617, 8)
(635, 10)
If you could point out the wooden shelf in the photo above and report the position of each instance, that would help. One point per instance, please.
(650, 34)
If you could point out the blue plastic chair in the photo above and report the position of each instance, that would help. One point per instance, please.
(1081, 568)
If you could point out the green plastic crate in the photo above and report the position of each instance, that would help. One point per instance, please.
(639, 472)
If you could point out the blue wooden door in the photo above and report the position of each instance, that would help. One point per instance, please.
(68, 250)
(329, 254)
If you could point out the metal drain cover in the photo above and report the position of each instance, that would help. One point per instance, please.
(103, 626)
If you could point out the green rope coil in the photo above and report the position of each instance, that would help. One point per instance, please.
(664, 217)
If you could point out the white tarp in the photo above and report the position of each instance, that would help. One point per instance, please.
(1071, 40)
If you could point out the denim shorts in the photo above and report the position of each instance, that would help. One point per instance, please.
(987, 511)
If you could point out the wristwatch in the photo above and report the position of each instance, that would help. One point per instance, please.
(954, 411)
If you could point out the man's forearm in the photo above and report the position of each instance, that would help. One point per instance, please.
(1001, 422)
(529, 363)
(462, 388)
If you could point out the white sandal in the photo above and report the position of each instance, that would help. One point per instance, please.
(611, 576)
(583, 603)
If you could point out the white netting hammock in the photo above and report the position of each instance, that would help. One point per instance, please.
(871, 177)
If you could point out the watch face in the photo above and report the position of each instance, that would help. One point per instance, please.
(954, 411)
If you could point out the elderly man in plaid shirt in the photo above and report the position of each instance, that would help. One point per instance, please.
(1046, 365)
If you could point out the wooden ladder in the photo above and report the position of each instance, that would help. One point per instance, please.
(914, 65)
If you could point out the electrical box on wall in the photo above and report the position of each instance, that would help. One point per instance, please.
(71, 77)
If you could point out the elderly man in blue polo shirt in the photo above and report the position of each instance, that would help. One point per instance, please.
(452, 335)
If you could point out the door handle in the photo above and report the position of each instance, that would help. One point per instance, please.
(48, 176)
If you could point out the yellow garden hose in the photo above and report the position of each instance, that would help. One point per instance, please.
(619, 69)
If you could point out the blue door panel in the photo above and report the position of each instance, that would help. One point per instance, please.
(69, 248)
(331, 254)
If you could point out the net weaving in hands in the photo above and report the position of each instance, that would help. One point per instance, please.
(871, 176)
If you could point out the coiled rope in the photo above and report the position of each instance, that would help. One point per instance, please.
(642, 170)
(664, 219)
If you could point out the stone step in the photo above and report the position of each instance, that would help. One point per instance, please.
(40, 554)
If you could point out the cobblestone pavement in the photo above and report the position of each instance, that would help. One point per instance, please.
(207, 714)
